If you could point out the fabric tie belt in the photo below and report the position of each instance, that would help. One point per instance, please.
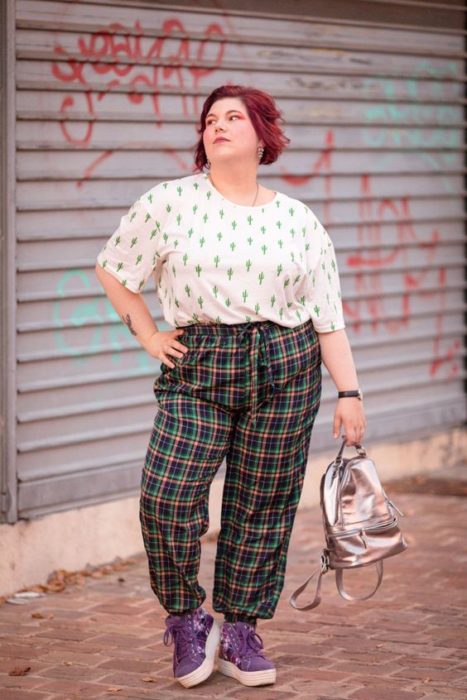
(259, 351)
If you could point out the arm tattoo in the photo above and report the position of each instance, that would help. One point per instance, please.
(127, 321)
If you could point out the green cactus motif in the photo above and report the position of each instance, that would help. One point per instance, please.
(164, 185)
(234, 225)
(221, 213)
(250, 240)
(132, 216)
(302, 300)
(179, 190)
(138, 259)
(233, 246)
(198, 269)
(249, 218)
(124, 283)
(281, 313)
(286, 282)
(150, 198)
(333, 326)
(279, 269)
(165, 237)
(209, 194)
(146, 218)
(200, 302)
(292, 232)
(228, 302)
(188, 290)
(257, 308)
(104, 264)
(217, 260)
(264, 249)
(219, 235)
(179, 218)
(273, 300)
(289, 304)
(117, 240)
(278, 203)
(190, 233)
(248, 265)
(229, 273)
(134, 241)
(297, 279)
(291, 211)
(141, 284)
(202, 241)
(195, 208)
(196, 185)
(247, 319)
(307, 247)
(153, 233)
(263, 230)
(174, 271)
(327, 298)
(244, 295)
(298, 314)
(195, 317)
(168, 208)
(280, 243)
(316, 309)
(261, 277)
(177, 303)
(279, 224)
(314, 279)
(119, 266)
(333, 265)
(205, 217)
(215, 291)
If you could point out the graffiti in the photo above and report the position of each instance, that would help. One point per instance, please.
(96, 317)
(135, 72)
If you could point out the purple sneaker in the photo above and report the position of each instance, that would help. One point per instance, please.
(241, 655)
(196, 638)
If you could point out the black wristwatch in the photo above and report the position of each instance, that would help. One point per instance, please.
(355, 392)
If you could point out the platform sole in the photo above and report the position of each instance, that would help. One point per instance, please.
(207, 667)
(246, 677)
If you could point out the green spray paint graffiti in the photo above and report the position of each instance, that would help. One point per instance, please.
(92, 315)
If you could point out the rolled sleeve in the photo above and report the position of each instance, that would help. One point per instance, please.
(131, 253)
(324, 295)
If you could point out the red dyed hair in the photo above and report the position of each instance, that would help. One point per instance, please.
(263, 114)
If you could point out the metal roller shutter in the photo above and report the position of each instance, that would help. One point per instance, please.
(108, 96)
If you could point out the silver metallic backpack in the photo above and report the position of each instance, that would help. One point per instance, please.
(360, 523)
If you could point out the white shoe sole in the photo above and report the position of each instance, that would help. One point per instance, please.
(246, 677)
(207, 667)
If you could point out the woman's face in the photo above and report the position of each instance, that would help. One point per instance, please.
(228, 118)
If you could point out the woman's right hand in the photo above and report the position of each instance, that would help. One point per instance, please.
(162, 344)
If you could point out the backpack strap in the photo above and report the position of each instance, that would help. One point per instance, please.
(347, 596)
(322, 568)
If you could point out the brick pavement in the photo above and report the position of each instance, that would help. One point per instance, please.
(103, 639)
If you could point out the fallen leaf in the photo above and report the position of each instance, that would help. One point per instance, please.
(19, 671)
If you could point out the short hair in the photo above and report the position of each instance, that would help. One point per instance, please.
(263, 114)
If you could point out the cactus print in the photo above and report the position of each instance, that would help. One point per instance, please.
(214, 261)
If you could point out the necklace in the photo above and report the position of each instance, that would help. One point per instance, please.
(257, 188)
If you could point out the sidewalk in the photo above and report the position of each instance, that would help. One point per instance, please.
(102, 636)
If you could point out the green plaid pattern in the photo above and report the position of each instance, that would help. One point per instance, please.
(248, 392)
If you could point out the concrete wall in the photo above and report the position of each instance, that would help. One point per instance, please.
(32, 549)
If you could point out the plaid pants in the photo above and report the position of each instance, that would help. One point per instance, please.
(248, 392)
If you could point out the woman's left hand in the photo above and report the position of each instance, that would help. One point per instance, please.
(350, 415)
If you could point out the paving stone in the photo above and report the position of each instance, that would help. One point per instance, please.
(408, 641)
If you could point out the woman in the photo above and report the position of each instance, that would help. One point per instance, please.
(249, 278)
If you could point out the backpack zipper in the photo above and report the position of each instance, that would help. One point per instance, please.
(361, 530)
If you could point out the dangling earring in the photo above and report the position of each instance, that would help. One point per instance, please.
(208, 163)
(260, 153)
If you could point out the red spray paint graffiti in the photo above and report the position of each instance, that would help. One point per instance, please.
(118, 53)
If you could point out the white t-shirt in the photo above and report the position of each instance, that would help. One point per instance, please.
(215, 261)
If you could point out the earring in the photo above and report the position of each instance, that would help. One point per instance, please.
(260, 153)
(208, 163)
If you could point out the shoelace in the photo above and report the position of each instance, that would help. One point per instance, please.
(183, 636)
(250, 641)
